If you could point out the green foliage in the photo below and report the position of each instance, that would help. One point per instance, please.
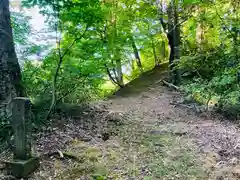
(210, 48)
(215, 75)
(21, 27)
(210, 58)
(95, 37)
(73, 78)
(191, 1)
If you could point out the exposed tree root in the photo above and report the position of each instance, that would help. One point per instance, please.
(171, 85)
(62, 155)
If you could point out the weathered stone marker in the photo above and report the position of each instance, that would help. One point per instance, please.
(20, 124)
(23, 163)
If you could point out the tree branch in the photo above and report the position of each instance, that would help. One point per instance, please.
(75, 40)
(61, 57)
(111, 78)
(224, 23)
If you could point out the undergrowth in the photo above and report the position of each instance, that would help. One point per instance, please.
(213, 77)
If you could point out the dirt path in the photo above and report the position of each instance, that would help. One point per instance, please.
(160, 138)
(203, 147)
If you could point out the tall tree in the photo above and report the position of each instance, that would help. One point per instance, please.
(10, 74)
(176, 42)
(173, 35)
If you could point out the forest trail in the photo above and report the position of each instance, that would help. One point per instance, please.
(160, 138)
(186, 144)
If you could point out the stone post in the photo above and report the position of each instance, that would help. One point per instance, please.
(23, 163)
(21, 123)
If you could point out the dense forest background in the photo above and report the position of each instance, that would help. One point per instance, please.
(101, 45)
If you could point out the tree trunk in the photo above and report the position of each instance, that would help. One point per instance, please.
(153, 47)
(10, 74)
(170, 36)
(154, 52)
(164, 50)
(116, 50)
(136, 54)
(174, 42)
(114, 81)
(119, 72)
(177, 41)
(200, 31)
